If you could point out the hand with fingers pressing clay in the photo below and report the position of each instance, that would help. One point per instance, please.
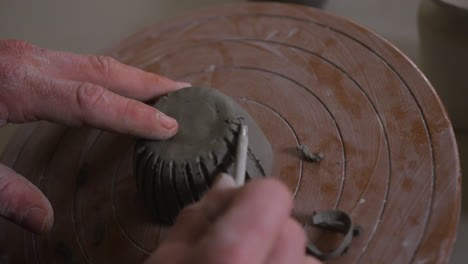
(250, 224)
(75, 90)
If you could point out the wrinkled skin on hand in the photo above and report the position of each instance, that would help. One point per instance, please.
(230, 225)
(75, 90)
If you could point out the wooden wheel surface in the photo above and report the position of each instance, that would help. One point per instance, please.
(307, 77)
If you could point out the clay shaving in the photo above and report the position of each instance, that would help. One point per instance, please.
(308, 155)
(335, 221)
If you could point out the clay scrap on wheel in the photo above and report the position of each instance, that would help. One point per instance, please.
(174, 173)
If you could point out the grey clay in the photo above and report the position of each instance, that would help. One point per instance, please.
(174, 173)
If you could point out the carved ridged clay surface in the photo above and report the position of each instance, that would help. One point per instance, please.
(174, 173)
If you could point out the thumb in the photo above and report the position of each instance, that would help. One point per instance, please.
(23, 203)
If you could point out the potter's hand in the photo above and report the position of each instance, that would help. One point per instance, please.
(73, 90)
(248, 225)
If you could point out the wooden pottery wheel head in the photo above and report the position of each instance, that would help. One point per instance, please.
(306, 77)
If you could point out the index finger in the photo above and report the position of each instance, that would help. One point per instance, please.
(74, 103)
(247, 231)
(109, 73)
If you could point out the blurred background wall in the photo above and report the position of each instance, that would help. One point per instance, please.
(88, 26)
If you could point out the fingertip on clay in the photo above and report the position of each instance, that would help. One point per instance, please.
(166, 121)
(183, 85)
(224, 180)
(168, 133)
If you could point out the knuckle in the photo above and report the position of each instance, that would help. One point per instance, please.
(16, 47)
(9, 187)
(13, 74)
(15, 80)
(88, 95)
(5, 183)
(102, 64)
(130, 107)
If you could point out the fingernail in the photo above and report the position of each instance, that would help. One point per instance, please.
(166, 122)
(36, 219)
(224, 181)
(184, 84)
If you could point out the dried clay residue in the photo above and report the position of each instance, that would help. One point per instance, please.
(334, 221)
(306, 154)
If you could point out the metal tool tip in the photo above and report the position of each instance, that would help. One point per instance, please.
(244, 130)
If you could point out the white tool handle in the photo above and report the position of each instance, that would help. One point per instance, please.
(241, 155)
